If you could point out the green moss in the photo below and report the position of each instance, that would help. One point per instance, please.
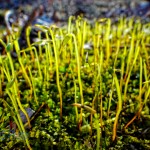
(108, 82)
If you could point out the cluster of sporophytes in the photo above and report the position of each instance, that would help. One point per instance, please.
(93, 79)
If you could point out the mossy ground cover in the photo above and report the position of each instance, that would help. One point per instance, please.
(87, 82)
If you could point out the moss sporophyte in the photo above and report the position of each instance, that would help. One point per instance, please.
(87, 82)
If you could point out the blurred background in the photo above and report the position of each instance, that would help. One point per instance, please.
(58, 11)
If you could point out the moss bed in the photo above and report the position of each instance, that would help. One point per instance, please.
(88, 84)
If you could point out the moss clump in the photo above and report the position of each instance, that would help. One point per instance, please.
(92, 81)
